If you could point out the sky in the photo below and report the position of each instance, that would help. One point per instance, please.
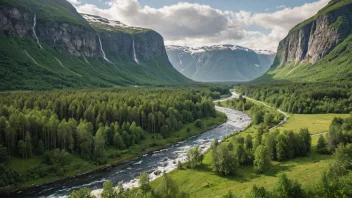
(256, 24)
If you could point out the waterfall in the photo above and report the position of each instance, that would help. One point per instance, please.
(102, 51)
(33, 28)
(62, 65)
(134, 52)
(29, 56)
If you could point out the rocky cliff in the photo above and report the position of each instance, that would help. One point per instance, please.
(220, 63)
(313, 39)
(52, 35)
(318, 49)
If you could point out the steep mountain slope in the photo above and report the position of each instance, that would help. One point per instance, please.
(47, 44)
(318, 49)
(220, 63)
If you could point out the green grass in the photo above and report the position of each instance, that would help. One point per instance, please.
(203, 182)
(23, 66)
(40, 70)
(316, 123)
(335, 66)
(78, 165)
(59, 11)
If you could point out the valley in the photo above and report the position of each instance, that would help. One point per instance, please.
(175, 99)
(220, 63)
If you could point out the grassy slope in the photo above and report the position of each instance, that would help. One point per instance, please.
(79, 165)
(333, 5)
(42, 71)
(334, 66)
(49, 10)
(307, 170)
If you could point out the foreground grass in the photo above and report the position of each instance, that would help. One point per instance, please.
(78, 165)
(203, 182)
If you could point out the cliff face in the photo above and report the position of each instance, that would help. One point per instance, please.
(316, 37)
(79, 40)
(48, 42)
(66, 38)
(220, 63)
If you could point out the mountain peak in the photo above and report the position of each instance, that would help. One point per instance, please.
(101, 23)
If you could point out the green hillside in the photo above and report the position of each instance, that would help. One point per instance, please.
(23, 65)
(335, 66)
(322, 45)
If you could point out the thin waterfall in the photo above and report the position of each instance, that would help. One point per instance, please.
(134, 52)
(62, 65)
(102, 51)
(33, 28)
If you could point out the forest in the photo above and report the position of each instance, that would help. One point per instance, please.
(260, 151)
(56, 124)
(303, 98)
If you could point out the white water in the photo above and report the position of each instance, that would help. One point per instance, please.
(33, 28)
(134, 53)
(62, 65)
(102, 51)
(29, 56)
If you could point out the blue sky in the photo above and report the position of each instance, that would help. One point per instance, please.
(256, 24)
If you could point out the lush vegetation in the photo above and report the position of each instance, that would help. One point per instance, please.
(24, 66)
(333, 67)
(260, 115)
(304, 98)
(229, 158)
(49, 10)
(334, 182)
(332, 6)
(95, 126)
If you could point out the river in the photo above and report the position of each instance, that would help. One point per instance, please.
(157, 162)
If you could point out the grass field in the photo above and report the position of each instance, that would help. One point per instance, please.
(316, 123)
(203, 182)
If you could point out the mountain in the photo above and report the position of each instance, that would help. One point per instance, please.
(220, 63)
(318, 49)
(47, 44)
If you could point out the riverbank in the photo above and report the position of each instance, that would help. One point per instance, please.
(205, 183)
(151, 144)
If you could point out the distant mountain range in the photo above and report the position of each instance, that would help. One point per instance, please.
(47, 44)
(318, 49)
(220, 63)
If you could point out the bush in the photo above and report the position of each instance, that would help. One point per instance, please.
(194, 157)
(199, 124)
(224, 161)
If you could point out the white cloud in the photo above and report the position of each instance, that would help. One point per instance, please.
(197, 25)
(74, 2)
(179, 23)
(279, 23)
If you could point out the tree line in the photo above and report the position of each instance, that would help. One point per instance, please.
(86, 122)
(304, 98)
(260, 115)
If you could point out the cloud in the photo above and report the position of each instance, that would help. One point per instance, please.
(194, 24)
(74, 2)
(179, 23)
(279, 23)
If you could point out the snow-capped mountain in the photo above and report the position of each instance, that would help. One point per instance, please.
(220, 63)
